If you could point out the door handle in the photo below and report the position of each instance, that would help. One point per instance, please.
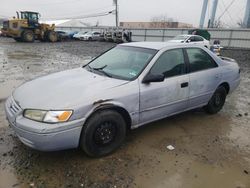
(185, 84)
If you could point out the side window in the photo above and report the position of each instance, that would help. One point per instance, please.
(192, 39)
(170, 63)
(199, 60)
(198, 39)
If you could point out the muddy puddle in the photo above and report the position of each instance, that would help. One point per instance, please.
(209, 151)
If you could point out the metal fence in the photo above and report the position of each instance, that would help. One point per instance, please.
(235, 38)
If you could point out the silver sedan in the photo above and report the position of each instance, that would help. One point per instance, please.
(128, 86)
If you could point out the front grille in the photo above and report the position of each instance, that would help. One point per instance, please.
(13, 106)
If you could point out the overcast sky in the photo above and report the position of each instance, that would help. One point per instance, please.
(130, 10)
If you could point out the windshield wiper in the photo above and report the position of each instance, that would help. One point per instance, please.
(100, 69)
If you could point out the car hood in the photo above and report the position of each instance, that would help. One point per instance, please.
(87, 35)
(77, 35)
(63, 90)
(176, 41)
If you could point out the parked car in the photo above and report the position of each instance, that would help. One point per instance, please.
(62, 35)
(128, 86)
(91, 36)
(72, 33)
(79, 35)
(192, 39)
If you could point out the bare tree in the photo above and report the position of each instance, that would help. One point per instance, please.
(240, 23)
(218, 24)
(162, 21)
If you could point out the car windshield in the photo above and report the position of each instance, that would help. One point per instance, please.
(180, 37)
(122, 62)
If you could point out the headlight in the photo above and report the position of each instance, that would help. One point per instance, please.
(48, 116)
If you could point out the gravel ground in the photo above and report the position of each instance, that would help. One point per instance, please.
(210, 151)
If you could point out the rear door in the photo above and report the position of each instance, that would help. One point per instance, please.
(161, 99)
(204, 76)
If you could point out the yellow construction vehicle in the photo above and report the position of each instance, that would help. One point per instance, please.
(26, 28)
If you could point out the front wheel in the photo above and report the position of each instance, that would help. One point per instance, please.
(217, 101)
(52, 36)
(103, 133)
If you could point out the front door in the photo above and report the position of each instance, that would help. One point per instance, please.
(161, 99)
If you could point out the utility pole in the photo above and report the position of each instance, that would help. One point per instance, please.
(246, 21)
(203, 13)
(115, 2)
(212, 18)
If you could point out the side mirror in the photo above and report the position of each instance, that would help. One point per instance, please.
(188, 41)
(153, 78)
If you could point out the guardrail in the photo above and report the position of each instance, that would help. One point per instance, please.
(235, 38)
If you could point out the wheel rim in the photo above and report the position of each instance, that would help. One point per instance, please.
(53, 37)
(29, 36)
(105, 133)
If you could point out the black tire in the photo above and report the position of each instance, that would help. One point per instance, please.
(51, 36)
(103, 133)
(28, 36)
(217, 101)
(90, 39)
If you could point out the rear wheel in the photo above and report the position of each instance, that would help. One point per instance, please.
(217, 101)
(103, 133)
(52, 36)
(28, 36)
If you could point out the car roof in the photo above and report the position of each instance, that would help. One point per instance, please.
(187, 35)
(155, 45)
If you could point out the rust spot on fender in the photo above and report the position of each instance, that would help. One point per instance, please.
(101, 101)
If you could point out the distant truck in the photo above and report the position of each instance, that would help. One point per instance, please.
(26, 28)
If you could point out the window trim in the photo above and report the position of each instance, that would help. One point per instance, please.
(184, 58)
(188, 62)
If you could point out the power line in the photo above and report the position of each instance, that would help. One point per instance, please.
(226, 9)
(228, 13)
(2, 16)
(57, 3)
(225, 21)
(101, 9)
(85, 16)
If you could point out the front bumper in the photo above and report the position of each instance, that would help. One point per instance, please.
(42, 136)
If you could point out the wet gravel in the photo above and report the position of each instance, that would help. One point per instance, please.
(210, 151)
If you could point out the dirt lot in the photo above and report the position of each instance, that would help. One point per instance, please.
(210, 151)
